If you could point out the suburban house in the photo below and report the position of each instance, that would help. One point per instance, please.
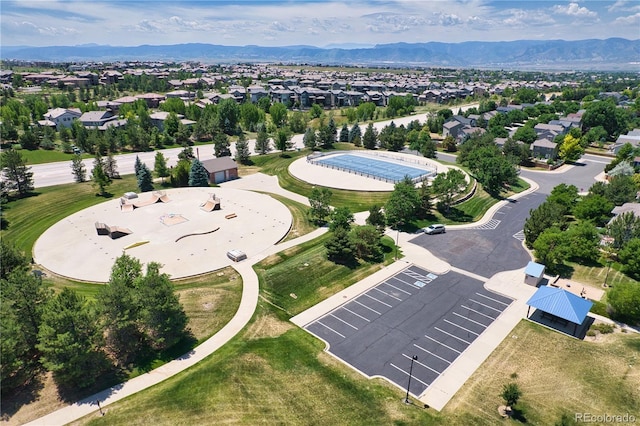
(633, 138)
(158, 118)
(544, 148)
(626, 207)
(549, 131)
(221, 169)
(100, 120)
(60, 117)
(256, 93)
(460, 127)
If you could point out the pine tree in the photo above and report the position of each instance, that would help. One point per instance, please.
(242, 150)
(18, 176)
(354, 133)
(198, 175)
(263, 144)
(370, 138)
(137, 165)
(344, 133)
(145, 179)
(221, 145)
(78, 169)
(309, 139)
(111, 167)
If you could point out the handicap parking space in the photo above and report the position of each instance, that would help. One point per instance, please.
(413, 313)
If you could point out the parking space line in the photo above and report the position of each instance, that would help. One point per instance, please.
(442, 344)
(452, 335)
(406, 282)
(459, 326)
(431, 353)
(379, 301)
(486, 306)
(412, 376)
(484, 315)
(341, 320)
(390, 295)
(422, 364)
(371, 309)
(399, 289)
(326, 326)
(358, 315)
(469, 319)
(491, 298)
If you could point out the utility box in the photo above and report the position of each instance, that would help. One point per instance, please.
(236, 255)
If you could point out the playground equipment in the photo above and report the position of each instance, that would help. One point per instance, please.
(213, 203)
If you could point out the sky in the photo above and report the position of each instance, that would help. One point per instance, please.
(322, 23)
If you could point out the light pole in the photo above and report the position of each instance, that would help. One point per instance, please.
(413, 358)
(607, 275)
(398, 224)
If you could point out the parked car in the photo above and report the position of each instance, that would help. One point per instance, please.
(436, 228)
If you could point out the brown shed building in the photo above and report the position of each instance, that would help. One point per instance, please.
(221, 169)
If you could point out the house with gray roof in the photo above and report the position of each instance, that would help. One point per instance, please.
(544, 148)
(61, 117)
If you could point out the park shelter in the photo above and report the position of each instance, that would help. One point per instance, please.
(560, 305)
(533, 273)
(221, 169)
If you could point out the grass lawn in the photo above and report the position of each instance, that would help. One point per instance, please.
(556, 374)
(40, 156)
(596, 274)
(299, 277)
(271, 374)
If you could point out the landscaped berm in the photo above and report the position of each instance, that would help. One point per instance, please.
(186, 239)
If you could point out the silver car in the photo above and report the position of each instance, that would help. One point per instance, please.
(436, 228)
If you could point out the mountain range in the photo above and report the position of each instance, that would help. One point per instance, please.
(592, 54)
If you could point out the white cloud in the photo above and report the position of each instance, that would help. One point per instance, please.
(169, 25)
(27, 27)
(574, 9)
(629, 20)
(618, 5)
(281, 27)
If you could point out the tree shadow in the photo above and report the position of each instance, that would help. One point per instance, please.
(148, 359)
(15, 399)
(456, 215)
(247, 162)
(105, 195)
(110, 378)
(565, 271)
(518, 415)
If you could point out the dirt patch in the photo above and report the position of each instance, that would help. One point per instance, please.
(267, 326)
(46, 401)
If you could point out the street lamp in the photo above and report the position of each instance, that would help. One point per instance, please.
(413, 358)
(398, 224)
(607, 275)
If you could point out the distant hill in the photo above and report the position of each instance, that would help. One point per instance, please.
(609, 54)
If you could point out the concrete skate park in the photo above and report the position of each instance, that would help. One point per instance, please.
(177, 228)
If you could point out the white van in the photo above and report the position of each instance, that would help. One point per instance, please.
(236, 255)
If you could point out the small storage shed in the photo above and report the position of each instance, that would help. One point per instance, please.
(236, 255)
(533, 273)
(221, 169)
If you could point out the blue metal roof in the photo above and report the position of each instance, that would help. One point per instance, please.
(534, 269)
(561, 303)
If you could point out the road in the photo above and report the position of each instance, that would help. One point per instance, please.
(59, 173)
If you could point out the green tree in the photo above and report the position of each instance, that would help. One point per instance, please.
(221, 145)
(494, 172)
(370, 138)
(583, 242)
(629, 257)
(278, 112)
(228, 115)
(607, 115)
(100, 179)
(315, 111)
(449, 144)
(16, 367)
(344, 133)
(594, 208)
(242, 150)
(424, 200)
(198, 175)
(403, 203)
(366, 243)
(282, 140)
(71, 341)
(250, 115)
(162, 316)
(341, 217)
(550, 248)
(511, 393)
(144, 179)
(160, 166)
(545, 216)
(570, 149)
(340, 248)
(180, 173)
(18, 177)
(77, 169)
(525, 134)
(565, 196)
(446, 186)
(623, 228)
(621, 189)
(11, 259)
(171, 124)
(377, 218)
(326, 137)
(309, 139)
(320, 199)
(624, 302)
(297, 122)
(355, 133)
(263, 145)
(111, 167)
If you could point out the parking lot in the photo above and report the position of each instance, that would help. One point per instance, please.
(412, 313)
